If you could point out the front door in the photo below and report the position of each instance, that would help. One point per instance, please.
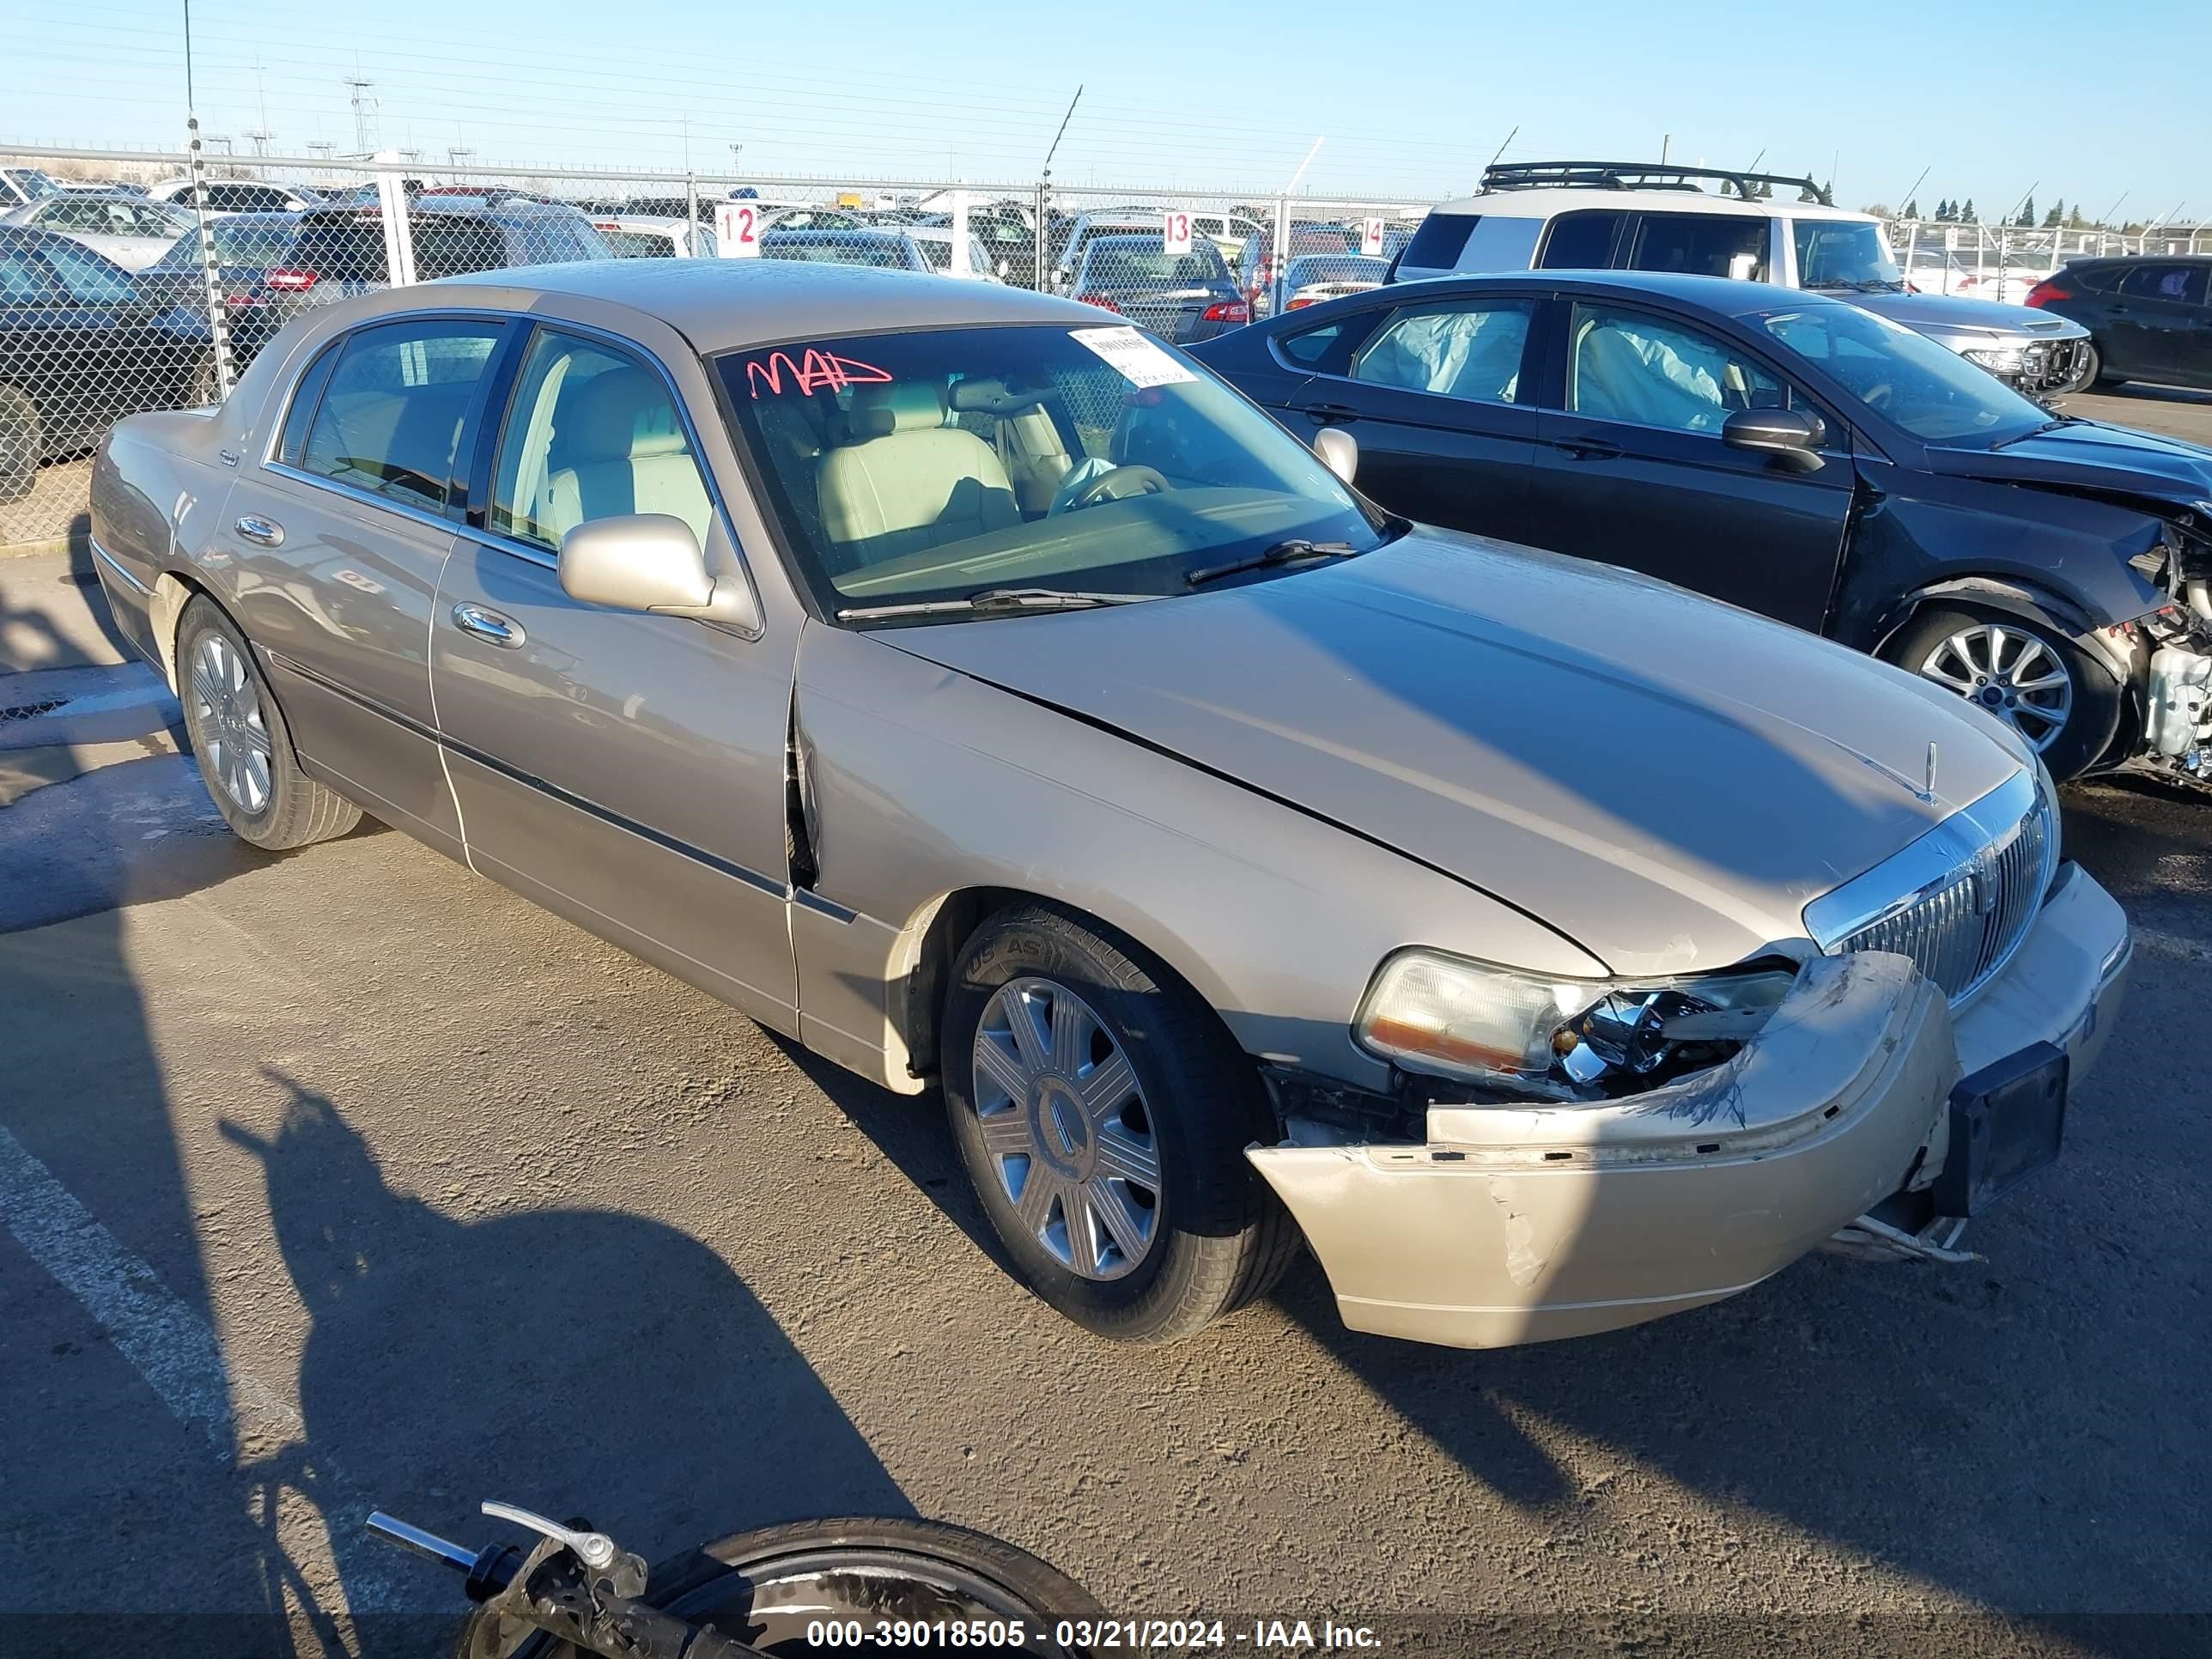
(2159, 326)
(1632, 471)
(1437, 397)
(623, 769)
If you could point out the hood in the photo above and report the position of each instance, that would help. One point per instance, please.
(1665, 780)
(2114, 461)
(1936, 313)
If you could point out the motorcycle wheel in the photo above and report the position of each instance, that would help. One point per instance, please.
(779, 1587)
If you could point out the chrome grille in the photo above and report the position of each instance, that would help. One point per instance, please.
(1960, 899)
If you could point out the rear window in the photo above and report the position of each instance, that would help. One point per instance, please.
(1580, 242)
(1439, 241)
(349, 249)
(1120, 264)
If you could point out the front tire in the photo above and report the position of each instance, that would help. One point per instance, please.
(1102, 1112)
(241, 743)
(768, 1586)
(2064, 704)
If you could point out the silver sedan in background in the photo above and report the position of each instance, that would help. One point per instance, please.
(980, 693)
(131, 230)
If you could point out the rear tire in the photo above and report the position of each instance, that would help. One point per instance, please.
(19, 444)
(241, 743)
(1950, 648)
(1109, 1152)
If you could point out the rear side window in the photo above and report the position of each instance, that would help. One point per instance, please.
(390, 417)
(305, 396)
(452, 247)
(1581, 241)
(1309, 348)
(1701, 245)
(1439, 241)
(2183, 284)
(1469, 349)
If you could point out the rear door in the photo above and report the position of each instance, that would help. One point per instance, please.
(622, 769)
(1631, 469)
(1438, 396)
(2158, 326)
(338, 539)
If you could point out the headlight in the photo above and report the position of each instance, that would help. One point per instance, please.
(1998, 360)
(1572, 1038)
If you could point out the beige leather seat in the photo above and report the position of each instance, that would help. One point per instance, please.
(906, 482)
(623, 451)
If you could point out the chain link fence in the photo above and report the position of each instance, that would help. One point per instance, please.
(131, 281)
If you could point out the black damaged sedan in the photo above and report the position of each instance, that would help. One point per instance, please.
(1795, 455)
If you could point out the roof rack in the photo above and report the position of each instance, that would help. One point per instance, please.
(1637, 175)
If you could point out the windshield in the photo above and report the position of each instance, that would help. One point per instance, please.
(941, 464)
(1928, 390)
(1844, 253)
(639, 244)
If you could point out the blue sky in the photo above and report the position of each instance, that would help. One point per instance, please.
(1410, 99)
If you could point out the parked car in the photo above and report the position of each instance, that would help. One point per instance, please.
(21, 185)
(1313, 278)
(1003, 229)
(1071, 238)
(654, 236)
(337, 252)
(904, 248)
(1178, 296)
(1628, 216)
(1255, 265)
(131, 231)
(2149, 319)
(80, 346)
(227, 196)
(1227, 231)
(245, 245)
(1241, 859)
(1796, 455)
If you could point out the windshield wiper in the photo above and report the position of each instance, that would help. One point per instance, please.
(2037, 431)
(1290, 552)
(994, 602)
(1871, 285)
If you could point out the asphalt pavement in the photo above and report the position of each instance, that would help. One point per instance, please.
(345, 1179)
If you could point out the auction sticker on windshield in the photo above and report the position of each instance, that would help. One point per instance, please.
(1139, 361)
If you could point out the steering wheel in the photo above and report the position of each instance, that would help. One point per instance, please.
(1876, 396)
(1107, 486)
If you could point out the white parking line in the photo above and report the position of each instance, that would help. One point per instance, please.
(178, 1354)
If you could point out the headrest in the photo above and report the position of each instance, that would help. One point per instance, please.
(880, 410)
(604, 425)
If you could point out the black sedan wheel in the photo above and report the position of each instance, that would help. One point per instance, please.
(2043, 685)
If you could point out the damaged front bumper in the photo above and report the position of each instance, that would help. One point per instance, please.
(1526, 1222)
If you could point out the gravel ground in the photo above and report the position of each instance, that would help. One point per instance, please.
(345, 1179)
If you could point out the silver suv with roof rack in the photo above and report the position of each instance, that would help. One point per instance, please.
(1640, 216)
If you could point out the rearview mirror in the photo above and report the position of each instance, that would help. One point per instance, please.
(1794, 435)
(651, 561)
(1339, 451)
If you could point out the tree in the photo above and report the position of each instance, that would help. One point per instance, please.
(1943, 211)
(1912, 208)
(2027, 214)
(1878, 210)
(2077, 222)
(1966, 214)
(2056, 217)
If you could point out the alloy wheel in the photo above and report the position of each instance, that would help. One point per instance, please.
(2010, 672)
(1066, 1129)
(228, 723)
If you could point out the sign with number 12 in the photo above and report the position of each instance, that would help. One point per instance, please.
(737, 229)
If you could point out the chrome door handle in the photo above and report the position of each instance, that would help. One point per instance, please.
(488, 625)
(264, 532)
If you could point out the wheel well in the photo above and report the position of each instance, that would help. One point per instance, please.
(164, 611)
(1989, 593)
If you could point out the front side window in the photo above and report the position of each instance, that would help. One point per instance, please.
(1580, 241)
(1844, 253)
(1455, 350)
(1703, 245)
(391, 415)
(592, 434)
(1439, 239)
(1625, 366)
(935, 464)
(1904, 376)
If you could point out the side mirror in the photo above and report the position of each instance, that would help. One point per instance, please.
(1794, 435)
(651, 561)
(1339, 451)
